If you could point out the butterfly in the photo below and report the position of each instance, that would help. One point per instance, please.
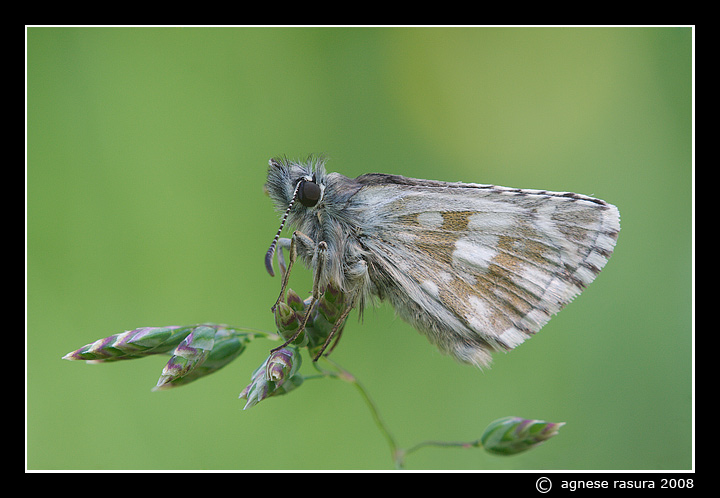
(475, 268)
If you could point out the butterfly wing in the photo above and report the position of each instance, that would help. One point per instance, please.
(479, 268)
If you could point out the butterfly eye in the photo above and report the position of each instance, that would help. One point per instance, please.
(308, 193)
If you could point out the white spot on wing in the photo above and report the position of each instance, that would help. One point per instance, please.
(431, 219)
(431, 288)
(512, 337)
(475, 254)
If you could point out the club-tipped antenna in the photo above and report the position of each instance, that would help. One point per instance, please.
(271, 252)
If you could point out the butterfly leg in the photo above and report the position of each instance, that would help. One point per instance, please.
(357, 273)
(306, 245)
(337, 328)
(319, 260)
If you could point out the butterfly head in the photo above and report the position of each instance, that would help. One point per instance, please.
(294, 188)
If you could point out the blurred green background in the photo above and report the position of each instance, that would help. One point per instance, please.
(147, 151)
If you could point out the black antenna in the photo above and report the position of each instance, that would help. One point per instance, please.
(271, 252)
